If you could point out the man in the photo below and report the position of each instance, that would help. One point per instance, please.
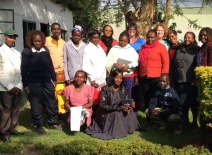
(10, 86)
(55, 45)
(164, 107)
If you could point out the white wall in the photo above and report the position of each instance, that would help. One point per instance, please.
(39, 11)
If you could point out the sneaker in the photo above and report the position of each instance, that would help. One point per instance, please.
(178, 131)
(55, 127)
(162, 127)
(41, 131)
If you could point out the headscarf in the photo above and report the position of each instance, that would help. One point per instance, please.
(77, 28)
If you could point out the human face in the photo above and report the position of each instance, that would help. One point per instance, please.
(95, 39)
(163, 82)
(56, 31)
(160, 32)
(132, 32)
(123, 41)
(188, 39)
(76, 37)
(37, 42)
(151, 38)
(10, 40)
(172, 38)
(79, 78)
(118, 79)
(108, 31)
(203, 37)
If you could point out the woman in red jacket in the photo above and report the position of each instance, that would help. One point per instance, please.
(107, 41)
(154, 61)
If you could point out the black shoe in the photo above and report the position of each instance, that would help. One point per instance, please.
(41, 131)
(6, 139)
(55, 127)
(16, 133)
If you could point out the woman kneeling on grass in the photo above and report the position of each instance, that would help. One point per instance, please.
(80, 94)
(115, 120)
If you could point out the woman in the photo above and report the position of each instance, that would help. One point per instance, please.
(153, 61)
(173, 39)
(135, 41)
(161, 33)
(107, 41)
(204, 56)
(80, 94)
(115, 119)
(94, 61)
(183, 76)
(123, 51)
(39, 79)
(73, 54)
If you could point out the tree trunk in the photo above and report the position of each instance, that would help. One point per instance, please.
(142, 16)
(168, 13)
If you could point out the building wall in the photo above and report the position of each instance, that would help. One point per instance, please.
(39, 11)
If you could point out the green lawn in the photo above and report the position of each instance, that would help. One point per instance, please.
(56, 140)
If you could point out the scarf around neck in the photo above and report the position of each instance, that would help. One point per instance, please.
(145, 50)
(107, 41)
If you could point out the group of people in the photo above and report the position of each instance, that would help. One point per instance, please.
(100, 77)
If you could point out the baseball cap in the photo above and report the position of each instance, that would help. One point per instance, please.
(10, 32)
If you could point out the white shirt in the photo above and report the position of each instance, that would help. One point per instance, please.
(10, 63)
(94, 61)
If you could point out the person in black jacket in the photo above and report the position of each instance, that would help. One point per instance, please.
(183, 76)
(115, 120)
(164, 107)
(39, 79)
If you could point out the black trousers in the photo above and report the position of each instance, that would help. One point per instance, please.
(9, 112)
(42, 94)
(148, 86)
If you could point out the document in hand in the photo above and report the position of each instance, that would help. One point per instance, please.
(128, 101)
(123, 62)
(75, 116)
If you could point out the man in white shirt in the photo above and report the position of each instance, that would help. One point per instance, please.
(10, 86)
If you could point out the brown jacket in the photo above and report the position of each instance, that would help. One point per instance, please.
(206, 51)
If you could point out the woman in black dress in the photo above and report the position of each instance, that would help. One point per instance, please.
(114, 120)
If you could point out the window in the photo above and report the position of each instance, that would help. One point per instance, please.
(27, 26)
(45, 28)
(63, 34)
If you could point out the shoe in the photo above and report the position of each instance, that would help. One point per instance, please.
(178, 131)
(6, 139)
(162, 127)
(55, 127)
(41, 131)
(16, 133)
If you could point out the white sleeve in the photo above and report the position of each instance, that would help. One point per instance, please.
(87, 65)
(110, 60)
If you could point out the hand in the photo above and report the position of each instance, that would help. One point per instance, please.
(117, 66)
(15, 90)
(136, 81)
(125, 68)
(27, 90)
(94, 84)
(126, 108)
(155, 112)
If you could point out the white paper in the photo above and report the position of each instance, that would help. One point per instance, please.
(75, 115)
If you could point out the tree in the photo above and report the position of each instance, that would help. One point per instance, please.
(86, 13)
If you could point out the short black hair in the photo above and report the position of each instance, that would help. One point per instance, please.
(152, 31)
(112, 75)
(54, 25)
(85, 74)
(166, 75)
(94, 31)
(124, 33)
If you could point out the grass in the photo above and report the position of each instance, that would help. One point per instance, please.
(53, 138)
